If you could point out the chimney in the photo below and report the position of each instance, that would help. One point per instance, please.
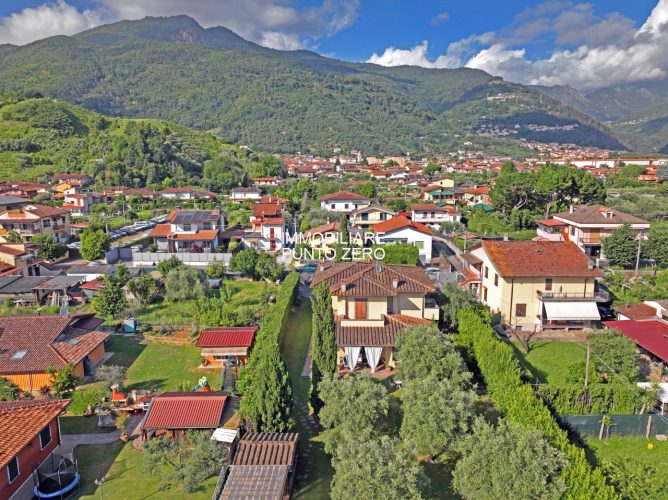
(395, 283)
(344, 285)
(590, 265)
(571, 209)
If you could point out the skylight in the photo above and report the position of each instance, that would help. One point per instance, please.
(19, 355)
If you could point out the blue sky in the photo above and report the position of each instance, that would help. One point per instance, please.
(538, 41)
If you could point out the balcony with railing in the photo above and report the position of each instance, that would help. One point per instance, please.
(596, 296)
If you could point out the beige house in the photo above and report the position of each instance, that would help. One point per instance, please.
(372, 303)
(366, 217)
(539, 284)
(31, 220)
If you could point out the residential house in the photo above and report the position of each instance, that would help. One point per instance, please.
(32, 220)
(78, 179)
(196, 231)
(173, 414)
(30, 344)
(403, 230)
(264, 466)
(242, 194)
(441, 195)
(323, 237)
(24, 189)
(29, 432)
(12, 202)
(260, 182)
(433, 215)
(79, 203)
(443, 182)
(186, 194)
(21, 258)
(540, 284)
(268, 227)
(226, 345)
(478, 195)
(369, 215)
(343, 202)
(650, 335)
(587, 225)
(372, 303)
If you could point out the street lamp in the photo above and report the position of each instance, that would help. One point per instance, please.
(100, 482)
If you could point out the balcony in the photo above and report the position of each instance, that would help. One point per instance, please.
(596, 296)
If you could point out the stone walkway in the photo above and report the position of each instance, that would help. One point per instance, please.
(71, 441)
(306, 371)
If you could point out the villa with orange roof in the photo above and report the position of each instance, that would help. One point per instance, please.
(403, 230)
(31, 220)
(372, 303)
(195, 231)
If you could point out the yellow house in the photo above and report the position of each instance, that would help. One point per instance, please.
(539, 285)
(366, 217)
(372, 303)
(444, 182)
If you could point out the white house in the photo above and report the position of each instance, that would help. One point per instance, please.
(196, 231)
(403, 230)
(343, 202)
(241, 194)
(433, 215)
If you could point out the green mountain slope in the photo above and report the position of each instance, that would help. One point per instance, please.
(211, 79)
(39, 137)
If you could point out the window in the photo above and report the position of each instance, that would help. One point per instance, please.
(46, 223)
(331, 206)
(345, 206)
(13, 469)
(486, 272)
(186, 227)
(484, 293)
(419, 244)
(206, 225)
(361, 309)
(520, 310)
(572, 231)
(548, 284)
(45, 436)
(496, 279)
(365, 216)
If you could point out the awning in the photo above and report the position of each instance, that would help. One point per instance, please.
(572, 311)
(224, 435)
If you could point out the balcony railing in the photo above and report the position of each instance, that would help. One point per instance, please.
(597, 296)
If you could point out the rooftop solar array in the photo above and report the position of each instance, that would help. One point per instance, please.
(195, 216)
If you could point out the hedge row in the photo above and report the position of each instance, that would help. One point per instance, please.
(603, 398)
(267, 396)
(519, 403)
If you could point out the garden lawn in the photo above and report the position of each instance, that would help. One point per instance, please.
(244, 293)
(316, 466)
(636, 471)
(125, 477)
(72, 424)
(550, 362)
(160, 365)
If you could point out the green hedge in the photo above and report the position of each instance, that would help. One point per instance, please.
(81, 398)
(519, 403)
(604, 398)
(267, 396)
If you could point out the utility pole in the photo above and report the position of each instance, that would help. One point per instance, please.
(587, 366)
(640, 237)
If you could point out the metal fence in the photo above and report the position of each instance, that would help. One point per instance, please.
(193, 259)
(617, 425)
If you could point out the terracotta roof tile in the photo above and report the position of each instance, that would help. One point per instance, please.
(240, 336)
(22, 421)
(637, 311)
(160, 231)
(599, 214)
(186, 410)
(400, 222)
(539, 258)
(344, 196)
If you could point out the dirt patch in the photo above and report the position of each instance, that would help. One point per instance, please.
(179, 337)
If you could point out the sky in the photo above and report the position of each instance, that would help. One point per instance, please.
(587, 45)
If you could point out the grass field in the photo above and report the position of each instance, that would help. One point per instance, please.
(71, 424)
(635, 470)
(154, 364)
(244, 294)
(294, 346)
(550, 362)
(125, 477)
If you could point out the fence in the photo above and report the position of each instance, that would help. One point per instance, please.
(617, 425)
(191, 259)
(118, 254)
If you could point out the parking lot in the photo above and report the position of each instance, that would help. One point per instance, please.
(129, 230)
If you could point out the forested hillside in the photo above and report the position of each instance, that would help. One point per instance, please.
(211, 79)
(39, 137)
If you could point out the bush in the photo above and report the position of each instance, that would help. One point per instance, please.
(400, 253)
(502, 374)
(603, 398)
(84, 397)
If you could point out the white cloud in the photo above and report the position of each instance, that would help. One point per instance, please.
(57, 18)
(273, 23)
(593, 52)
(439, 18)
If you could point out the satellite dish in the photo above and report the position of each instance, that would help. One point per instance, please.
(378, 267)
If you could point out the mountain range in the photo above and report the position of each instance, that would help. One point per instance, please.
(286, 101)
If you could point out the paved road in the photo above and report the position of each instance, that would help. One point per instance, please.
(71, 441)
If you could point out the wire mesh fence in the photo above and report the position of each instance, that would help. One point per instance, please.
(617, 425)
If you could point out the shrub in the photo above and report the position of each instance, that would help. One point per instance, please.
(517, 400)
(84, 397)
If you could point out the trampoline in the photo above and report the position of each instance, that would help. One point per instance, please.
(60, 483)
